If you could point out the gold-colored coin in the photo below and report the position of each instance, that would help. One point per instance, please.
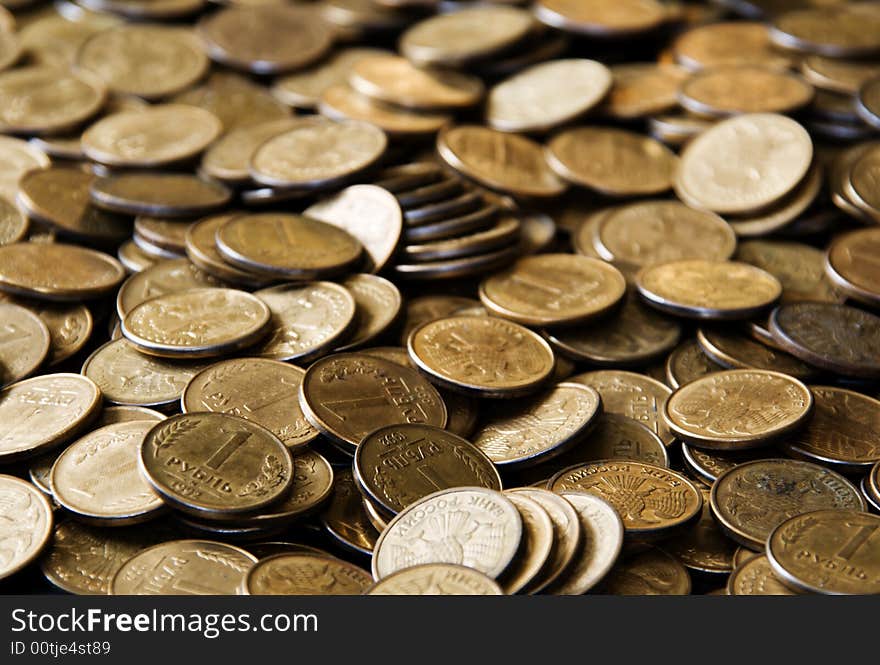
(614, 162)
(317, 154)
(45, 411)
(81, 484)
(729, 43)
(602, 18)
(58, 272)
(798, 267)
(257, 389)
(436, 579)
(155, 136)
(162, 278)
(378, 304)
(348, 395)
(754, 577)
(697, 288)
(533, 429)
(162, 194)
(752, 499)
(183, 568)
(509, 163)
(26, 526)
(168, 234)
(305, 575)
(422, 309)
(345, 519)
(668, 501)
(112, 415)
(704, 548)
(736, 409)
(688, 362)
(706, 465)
(868, 101)
(307, 320)
(18, 157)
(850, 265)
(643, 89)
(196, 323)
(737, 351)
(828, 551)
(553, 290)
(133, 258)
(342, 102)
(647, 572)
(24, 342)
(481, 356)
(369, 213)
(837, 75)
(284, 245)
(201, 249)
(13, 224)
(130, 378)
(736, 89)
(213, 463)
(846, 31)
(536, 547)
(304, 88)
(150, 61)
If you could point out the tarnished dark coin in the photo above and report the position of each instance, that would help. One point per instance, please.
(688, 362)
(706, 465)
(647, 572)
(704, 548)
(737, 351)
(344, 517)
(755, 577)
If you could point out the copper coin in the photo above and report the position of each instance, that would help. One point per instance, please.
(850, 264)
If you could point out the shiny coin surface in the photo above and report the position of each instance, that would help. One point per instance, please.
(688, 362)
(305, 575)
(81, 484)
(553, 289)
(734, 350)
(436, 579)
(798, 267)
(738, 409)
(600, 18)
(57, 271)
(828, 551)
(643, 89)
(304, 88)
(111, 415)
(370, 214)
(191, 568)
(215, 463)
(704, 548)
(848, 30)
(201, 249)
(536, 546)
(706, 465)
(160, 194)
(868, 100)
(306, 319)
(162, 278)
(614, 162)
(532, 429)
(735, 89)
(24, 342)
(345, 519)
(422, 309)
(850, 265)
(348, 395)
(196, 323)
(166, 234)
(26, 526)
(752, 499)
(755, 577)
(715, 166)
(652, 501)
(547, 95)
(378, 304)
(397, 465)
(19, 157)
(264, 391)
(42, 412)
(833, 337)
(154, 136)
(342, 102)
(728, 43)
(423, 532)
(482, 356)
(13, 224)
(697, 288)
(284, 245)
(507, 162)
(648, 572)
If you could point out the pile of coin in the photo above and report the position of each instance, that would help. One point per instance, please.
(440, 297)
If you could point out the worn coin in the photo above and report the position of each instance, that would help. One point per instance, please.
(850, 263)
(159, 194)
(162, 278)
(436, 579)
(26, 526)
(305, 575)
(704, 548)
(752, 499)
(736, 351)
(24, 342)
(344, 517)
(798, 267)
(755, 577)
(647, 572)
(735, 89)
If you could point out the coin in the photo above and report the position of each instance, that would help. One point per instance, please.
(706, 465)
(317, 154)
(378, 304)
(599, 18)
(19, 157)
(613, 162)
(871, 483)
(600, 546)
(422, 309)
(798, 267)
(345, 519)
(533, 429)
(850, 265)
(704, 548)
(197, 323)
(733, 350)
(728, 43)
(44, 411)
(304, 88)
(370, 214)
(111, 415)
(213, 463)
(688, 362)
(868, 101)
(755, 577)
(13, 224)
(155, 136)
(341, 102)
(160, 194)
(506, 231)
(59, 197)
(836, 75)
(265, 39)
(228, 158)
(263, 391)
(81, 485)
(393, 79)
(57, 271)
(305, 575)
(648, 572)
(697, 288)
(536, 545)
(506, 162)
(149, 61)
(162, 278)
(433, 530)
(752, 499)
(26, 524)
(436, 579)
(714, 168)
(397, 465)
(481, 356)
(632, 336)
(201, 249)
(653, 502)
(168, 234)
(24, 343)
(183, 568)
(553, 289)
(735, 89)
(839, 32)
(632, 395)
(827, 551)
(347, 395)
(833, 337)
(642, 89)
